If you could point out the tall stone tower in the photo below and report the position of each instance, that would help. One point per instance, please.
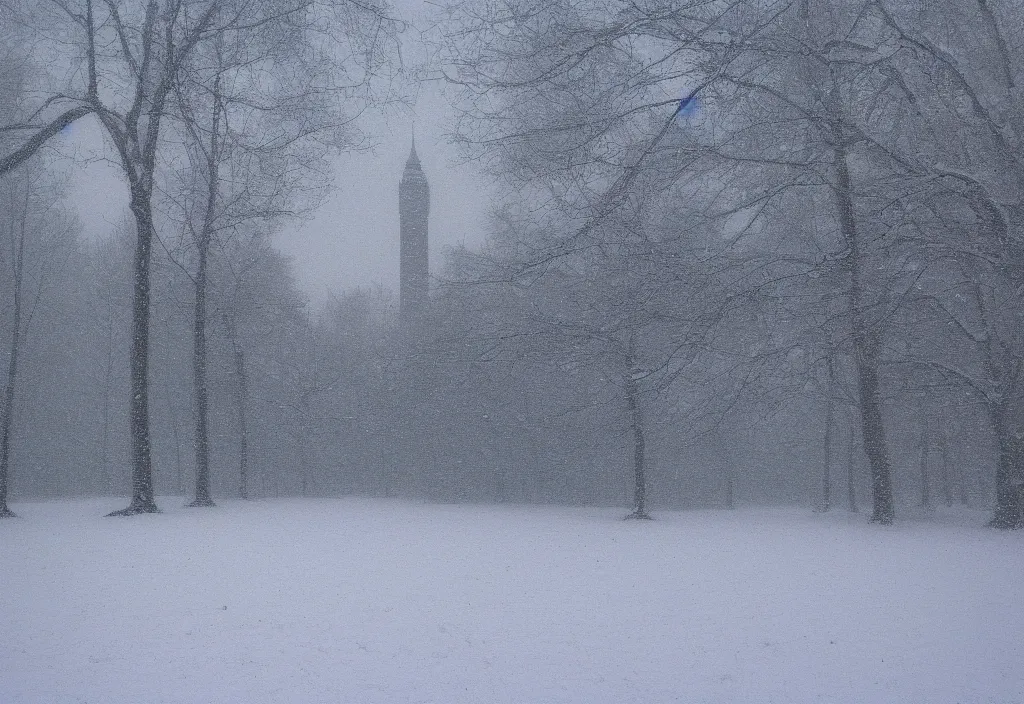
(413, 210)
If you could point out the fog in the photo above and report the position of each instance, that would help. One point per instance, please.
(642, 289)
(681, 358)
(351, 239)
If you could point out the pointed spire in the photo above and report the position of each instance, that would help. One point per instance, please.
(414, 159)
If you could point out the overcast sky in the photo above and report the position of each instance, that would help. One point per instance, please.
(352, 239)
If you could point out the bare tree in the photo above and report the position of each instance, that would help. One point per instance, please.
(16, 231)
(955, 108)
(251, 165)
(129, 86)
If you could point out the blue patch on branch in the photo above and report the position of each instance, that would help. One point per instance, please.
(688, 106)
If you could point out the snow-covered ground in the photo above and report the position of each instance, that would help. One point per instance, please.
(360, 600)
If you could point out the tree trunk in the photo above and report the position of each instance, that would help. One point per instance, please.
(138, 410)
(203, 239)
(826, 466)
(637, 430)
(17, 235)
(866, 347)
(1007, 514)
(926, 492)
(851, 471)
(7, 412)
(873, 430)
(200, 389)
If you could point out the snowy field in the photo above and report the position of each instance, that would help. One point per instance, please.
(365, 601)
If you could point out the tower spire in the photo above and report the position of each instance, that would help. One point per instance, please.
(414, 209)
(414, 158)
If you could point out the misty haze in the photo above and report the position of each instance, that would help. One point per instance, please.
(512, 351)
